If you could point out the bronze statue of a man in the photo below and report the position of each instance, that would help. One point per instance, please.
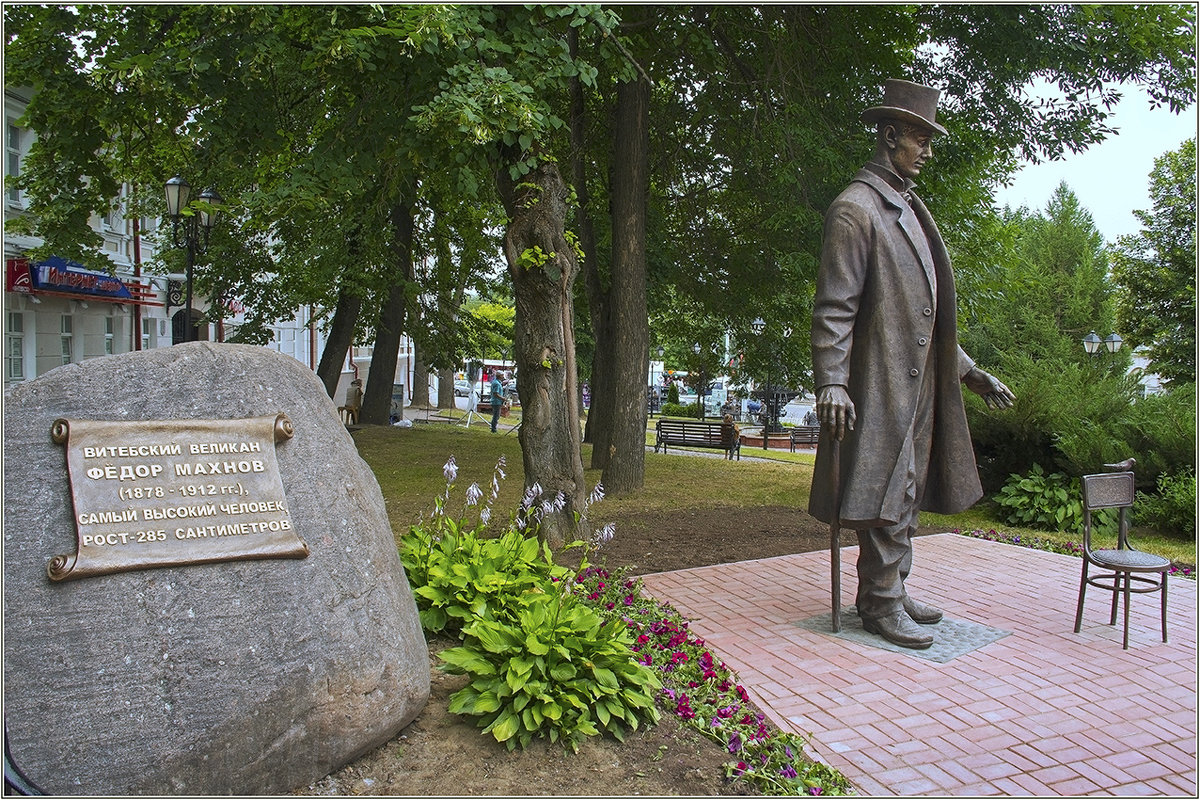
(888, 367)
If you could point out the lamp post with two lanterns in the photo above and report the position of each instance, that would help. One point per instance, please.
(655, 399)
(772, 397)
(196, 229)
(700, 388)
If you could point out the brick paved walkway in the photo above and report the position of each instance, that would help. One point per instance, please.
(1017, 716)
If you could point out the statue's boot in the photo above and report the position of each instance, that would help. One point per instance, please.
(921, 613)
(898, 629)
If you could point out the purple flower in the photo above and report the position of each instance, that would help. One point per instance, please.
(735, 743)
(450, 470)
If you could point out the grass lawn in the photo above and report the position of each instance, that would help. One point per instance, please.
(408, 465)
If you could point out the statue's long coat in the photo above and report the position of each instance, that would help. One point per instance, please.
(874, 318)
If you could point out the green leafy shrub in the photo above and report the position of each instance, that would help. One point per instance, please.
(541, 663)
(557, 670)
(670, 409)
(673, 393)
(459, 574)
(1040, 500)
(1173, 508)
(1050, 502)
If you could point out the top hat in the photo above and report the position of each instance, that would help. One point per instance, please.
(907, 102)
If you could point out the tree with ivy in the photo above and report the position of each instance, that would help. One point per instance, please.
(1155, 270)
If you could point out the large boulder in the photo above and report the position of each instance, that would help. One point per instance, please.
(238, 677)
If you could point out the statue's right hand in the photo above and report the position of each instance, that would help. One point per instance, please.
(835, 410)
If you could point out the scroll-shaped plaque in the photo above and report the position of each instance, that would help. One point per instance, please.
(165, 493)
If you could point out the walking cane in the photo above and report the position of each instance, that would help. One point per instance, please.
(835, 532)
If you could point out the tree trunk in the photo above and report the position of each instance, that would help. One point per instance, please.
(377, 400)
(624, 471)
(599, 416)
(339, 340)
(544, 340)
(445, 388)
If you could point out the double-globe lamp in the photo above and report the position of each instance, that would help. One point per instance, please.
(201, 223)
(1092, 342)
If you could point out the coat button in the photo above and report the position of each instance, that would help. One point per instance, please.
(922, 341)
(914, 372)
(927, 311)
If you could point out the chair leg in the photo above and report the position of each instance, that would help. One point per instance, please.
(1112, 620)
(1164, 606)
(1082, 589)
(1128, 580)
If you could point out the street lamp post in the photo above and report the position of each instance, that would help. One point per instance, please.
(654, 381)
(703, 383)
(196, 230)
(770, 395)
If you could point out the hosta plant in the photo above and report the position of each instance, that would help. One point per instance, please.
(459, 573)
(558, 670)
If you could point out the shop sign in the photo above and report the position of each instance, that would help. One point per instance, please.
(59, 275)
(16, 276)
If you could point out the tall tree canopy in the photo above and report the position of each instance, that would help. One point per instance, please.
(1155, 270)
(345, 138)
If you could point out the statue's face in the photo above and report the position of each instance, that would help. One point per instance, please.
(909, 147)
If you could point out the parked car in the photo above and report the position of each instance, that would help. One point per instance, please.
(462, 388)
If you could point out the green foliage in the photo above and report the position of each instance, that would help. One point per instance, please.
(460, 574)
(1038, 500)
(670, 409)
(1160, 430)
(1156, 270)
(541, 662)
(1173, 508)
(557, 670)
(673, 394)
(1067, 417)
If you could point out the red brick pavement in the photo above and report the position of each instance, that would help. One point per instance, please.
(1042, 711)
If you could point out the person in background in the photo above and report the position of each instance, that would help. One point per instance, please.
(497, 389)
(730, 433)
(354, 397)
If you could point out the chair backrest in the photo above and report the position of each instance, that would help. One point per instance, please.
(1108, 490)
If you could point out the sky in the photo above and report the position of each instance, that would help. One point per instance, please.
(1111, 179)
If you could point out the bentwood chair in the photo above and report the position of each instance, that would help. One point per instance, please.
(1129, 567)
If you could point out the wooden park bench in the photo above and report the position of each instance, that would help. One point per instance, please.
(693, 433)
(804, 434)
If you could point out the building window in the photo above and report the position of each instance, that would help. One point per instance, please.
(66, 338)
(12, 161)
(14, 343)
(109, 335)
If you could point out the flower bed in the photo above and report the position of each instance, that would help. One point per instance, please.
(705, 694)
(1051, 546)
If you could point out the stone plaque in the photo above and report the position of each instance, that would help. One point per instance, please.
(164, 493)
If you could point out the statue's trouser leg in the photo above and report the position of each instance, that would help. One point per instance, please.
(885, 554)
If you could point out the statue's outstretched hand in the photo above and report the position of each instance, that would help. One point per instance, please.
(994, 393)
(835, 410)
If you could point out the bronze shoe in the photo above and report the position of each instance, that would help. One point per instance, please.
(921, 613)
(898, 629)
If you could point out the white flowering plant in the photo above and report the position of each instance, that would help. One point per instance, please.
(541, 662)
(459, 574)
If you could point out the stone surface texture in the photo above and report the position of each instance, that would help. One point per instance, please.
(244, 677)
